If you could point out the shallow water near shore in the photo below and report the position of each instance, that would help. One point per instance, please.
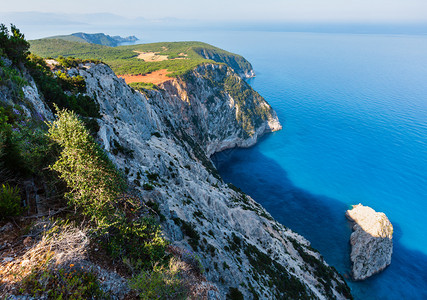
(354, 114)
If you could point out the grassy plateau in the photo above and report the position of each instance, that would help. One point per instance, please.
(176, 57)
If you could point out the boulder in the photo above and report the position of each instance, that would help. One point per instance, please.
(371, 241)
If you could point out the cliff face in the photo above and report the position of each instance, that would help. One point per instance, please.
(238, 63)
(163, 139)
(217, 108)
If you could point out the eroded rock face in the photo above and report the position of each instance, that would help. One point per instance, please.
(371, 241)
(172, 133)
(217, 108)
(165, 138)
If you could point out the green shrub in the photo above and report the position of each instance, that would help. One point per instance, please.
(188, 230)
(140, 242)
(96, 188)
(72, 283)
(12, 74)
(52, 87)
(148, 187)
(160, 283)
(153, 176)
(10, 155)
(10, 201)
(71, 83)
(13, 43)
(141, 86)
(92, 178)
(25, 148)
(118, 148)
(234, 294)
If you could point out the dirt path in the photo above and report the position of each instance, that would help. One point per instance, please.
(155, 77)
(151, 56)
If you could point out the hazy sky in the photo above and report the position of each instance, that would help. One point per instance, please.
(248, 10)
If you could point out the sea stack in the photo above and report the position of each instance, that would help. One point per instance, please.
(371, 241)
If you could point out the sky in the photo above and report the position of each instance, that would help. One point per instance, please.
(369, 11)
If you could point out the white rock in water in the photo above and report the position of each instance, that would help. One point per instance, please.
(371, 241)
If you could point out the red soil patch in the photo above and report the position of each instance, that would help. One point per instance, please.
(155, 77)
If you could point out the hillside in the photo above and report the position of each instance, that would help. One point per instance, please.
(95, 38)
(175, 57)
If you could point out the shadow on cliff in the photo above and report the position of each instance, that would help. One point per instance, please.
(322, 221)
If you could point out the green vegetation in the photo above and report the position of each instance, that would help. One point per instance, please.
(182, 56)
(322, 272)
(252, 108)
(10, 201)
(275, 274)
(13, 52)
(234, 294)
(24, 147)
(13, 75)
(160, 283)
(95, 38)
(250, 116)
(96, 189)
(140, 86)
(93, 180)
(188, 230)
(74, 283)
(52, 86)
(236, 62)
(72, 62)
(13, 44)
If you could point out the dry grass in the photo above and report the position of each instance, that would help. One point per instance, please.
(57, 246)
(188, 266)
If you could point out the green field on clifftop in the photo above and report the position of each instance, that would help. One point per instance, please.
(176, 57)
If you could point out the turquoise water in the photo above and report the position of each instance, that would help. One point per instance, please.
(354, 112)
(354, 115)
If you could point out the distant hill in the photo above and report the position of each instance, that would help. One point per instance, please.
(95, 38)
(176, 57)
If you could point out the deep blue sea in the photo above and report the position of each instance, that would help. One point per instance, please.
(354, 114)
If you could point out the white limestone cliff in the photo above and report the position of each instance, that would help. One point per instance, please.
(171, 133)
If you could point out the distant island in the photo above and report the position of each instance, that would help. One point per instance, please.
(96, 38)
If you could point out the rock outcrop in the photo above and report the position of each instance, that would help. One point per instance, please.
(371, 241)
(210, 105)
(238, 63)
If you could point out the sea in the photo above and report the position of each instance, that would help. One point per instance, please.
(354, 114)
